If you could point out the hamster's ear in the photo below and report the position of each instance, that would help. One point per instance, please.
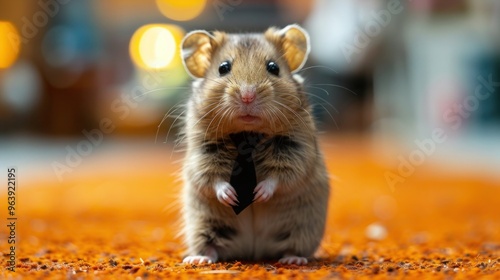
(197, 48)
(294, 41)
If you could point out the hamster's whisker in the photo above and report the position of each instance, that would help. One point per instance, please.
(320, 88)
(292, 111)
(216, 81)
(220, 108)
(294, 96)
(318, 66)
(177, 151)
(333, 85)
(222, 117)
(177, 144)
(329, 114)
(174, 124)
(171, 126)
(284, 119)
(271, 119)
(156, 89)
(218, 124)
(275, 117)
(314, 104)
(273, 109)
(172, 115)
(322, 99)
(178, 104)
(322, 106)
(229, 113)
(199, 119)
(211, 110)
(321, 103)
(272, 83)
(217, 112)
(169, 113)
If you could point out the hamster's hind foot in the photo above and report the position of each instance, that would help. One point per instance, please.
(293, 260)
(210, 256)
(198, 260)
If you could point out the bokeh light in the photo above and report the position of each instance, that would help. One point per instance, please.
(181, 10)
(156, 46)
(62, 54)
(60, 46)
(21, 86)
(9, 44)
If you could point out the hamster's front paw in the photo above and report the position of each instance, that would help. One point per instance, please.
(226, 194)
(265, 190)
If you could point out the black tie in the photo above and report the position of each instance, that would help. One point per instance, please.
(243, 176)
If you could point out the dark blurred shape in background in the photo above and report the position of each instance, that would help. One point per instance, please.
(395, 69)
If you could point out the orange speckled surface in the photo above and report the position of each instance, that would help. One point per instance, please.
(116, 217)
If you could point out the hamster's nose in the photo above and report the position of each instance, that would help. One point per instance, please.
(248, 96)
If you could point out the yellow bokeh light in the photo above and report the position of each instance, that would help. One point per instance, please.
(181, 10)
(9, 44)
(156, 46)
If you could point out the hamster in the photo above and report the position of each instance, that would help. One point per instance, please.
(246, 83)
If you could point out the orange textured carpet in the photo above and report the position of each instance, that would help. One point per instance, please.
(116, 217)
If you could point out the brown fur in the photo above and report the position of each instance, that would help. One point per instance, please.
(293, 220)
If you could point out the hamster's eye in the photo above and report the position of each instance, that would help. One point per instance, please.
(224, 68)
(273, 68)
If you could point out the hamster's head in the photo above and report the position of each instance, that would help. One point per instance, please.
(246, 82)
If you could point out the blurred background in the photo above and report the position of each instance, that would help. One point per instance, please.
(406, 94)
(80, 78)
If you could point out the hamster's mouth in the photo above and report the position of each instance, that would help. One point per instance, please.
(249, 119)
